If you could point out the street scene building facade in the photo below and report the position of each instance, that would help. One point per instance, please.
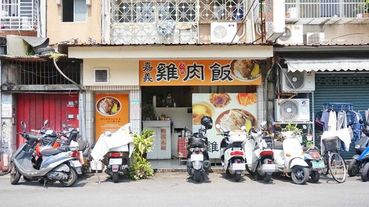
(163, 65)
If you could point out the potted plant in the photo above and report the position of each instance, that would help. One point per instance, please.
(363, 9)
(141, 167)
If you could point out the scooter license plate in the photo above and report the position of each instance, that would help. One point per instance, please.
(238, 166)
(197, 157)
(269, 168)
(318, 165)
(76, 163)
(113, 161)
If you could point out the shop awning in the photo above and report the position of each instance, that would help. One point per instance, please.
(327, 64)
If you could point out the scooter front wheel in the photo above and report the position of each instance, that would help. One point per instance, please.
(14, 174)
(72, 179)
(314, 176)
(365, 172)
(300, 175)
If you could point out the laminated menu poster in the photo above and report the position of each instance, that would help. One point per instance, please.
(230, 110)
(111, 112)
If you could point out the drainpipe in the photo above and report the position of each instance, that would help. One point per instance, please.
(266, 100)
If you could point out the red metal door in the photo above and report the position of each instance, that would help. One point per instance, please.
(34, 109)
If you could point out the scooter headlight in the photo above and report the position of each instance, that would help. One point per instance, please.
(191, 149)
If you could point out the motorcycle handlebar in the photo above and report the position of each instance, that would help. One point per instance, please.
(30, 136)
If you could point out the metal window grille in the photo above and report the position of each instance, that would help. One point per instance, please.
(18, 14)
(168, 21)
(23, 72)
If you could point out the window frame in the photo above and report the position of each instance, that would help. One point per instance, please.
(107, 75)
(74, 13)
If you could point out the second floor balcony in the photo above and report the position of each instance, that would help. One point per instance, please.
(18, 15)
(178, 21)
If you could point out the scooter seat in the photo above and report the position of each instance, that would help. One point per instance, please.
(51, 151)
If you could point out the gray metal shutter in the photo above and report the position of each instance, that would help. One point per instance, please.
(346, 87)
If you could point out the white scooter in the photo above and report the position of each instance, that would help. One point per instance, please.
(290, 159)
(115, 150)
(232, 152)
(259, 154)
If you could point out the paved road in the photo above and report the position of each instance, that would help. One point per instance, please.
(172, 189)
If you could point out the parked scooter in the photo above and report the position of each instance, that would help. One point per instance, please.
(259, 154)
(232, 152)
(198, 162)
(360, 162)
(114, 150)
(59, 164)
(290, 159)
(316, 164)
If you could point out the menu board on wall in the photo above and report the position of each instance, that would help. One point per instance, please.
(200, 72)
(111, 112)
(230, 110)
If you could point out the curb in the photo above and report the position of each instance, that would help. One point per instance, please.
(216, 170)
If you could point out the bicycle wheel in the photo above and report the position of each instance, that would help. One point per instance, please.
(325, 171)
(337, 167)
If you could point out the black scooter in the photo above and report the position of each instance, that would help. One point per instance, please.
(198, 163)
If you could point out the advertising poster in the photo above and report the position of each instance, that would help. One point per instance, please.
(230, 110)
(200, 72)
(111, 112)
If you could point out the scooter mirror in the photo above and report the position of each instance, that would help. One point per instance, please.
(263, 124)
(23, 125)
(46, 122)
(217, 126)
(304, 126)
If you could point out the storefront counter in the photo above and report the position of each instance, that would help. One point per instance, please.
(181, 117)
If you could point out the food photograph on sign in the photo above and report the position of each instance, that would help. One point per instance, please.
(108, 106)
(230, 110)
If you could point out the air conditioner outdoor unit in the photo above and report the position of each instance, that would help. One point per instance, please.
(223, 32)
(297, 82)
(314, 37)
(290, 110)
(293, 35)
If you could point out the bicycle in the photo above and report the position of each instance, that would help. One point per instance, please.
(334, 162)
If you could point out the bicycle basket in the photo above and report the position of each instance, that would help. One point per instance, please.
(331, 145)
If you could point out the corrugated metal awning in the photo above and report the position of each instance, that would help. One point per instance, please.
(327, 64)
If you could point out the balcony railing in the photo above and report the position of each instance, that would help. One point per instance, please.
(325, 8)
(301, 10)
(170, 21)
(18, 14)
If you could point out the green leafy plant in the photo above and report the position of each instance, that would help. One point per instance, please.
(292, 128)
(308, 143)
(141, 167)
